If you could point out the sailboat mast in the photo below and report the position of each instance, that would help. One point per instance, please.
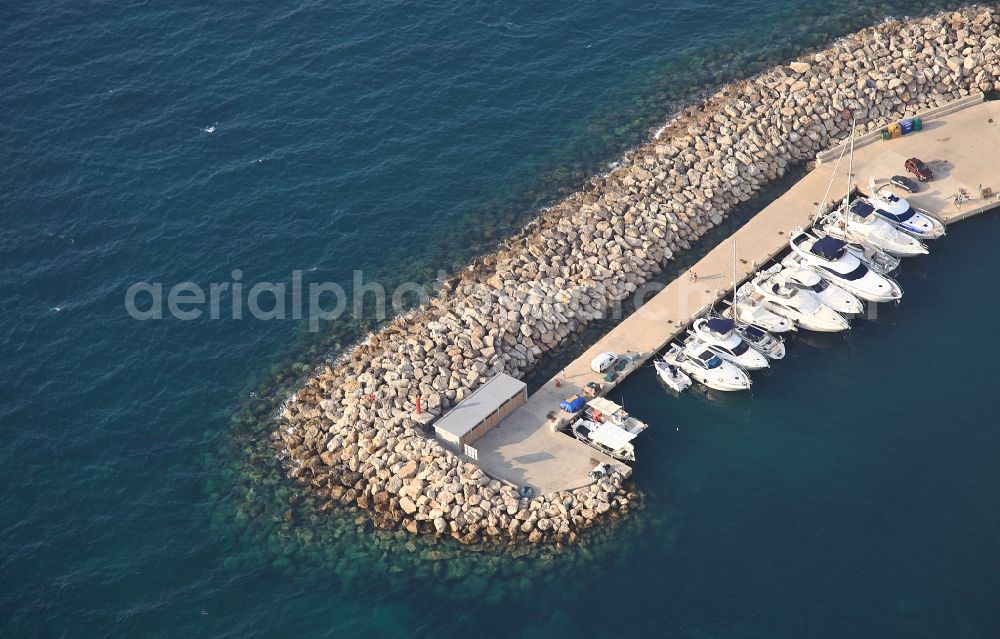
(850, 172)
(734, 279)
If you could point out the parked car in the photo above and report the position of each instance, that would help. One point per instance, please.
(904, 183)
(919, 169)
(603, 362)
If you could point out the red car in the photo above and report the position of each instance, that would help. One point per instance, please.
(919, 169)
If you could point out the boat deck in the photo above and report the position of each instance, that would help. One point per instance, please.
(961, 149)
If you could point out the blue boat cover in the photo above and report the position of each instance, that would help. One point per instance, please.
(861, 208)
(828, 247)
(720, 324)
(573, 404)
(755, 332)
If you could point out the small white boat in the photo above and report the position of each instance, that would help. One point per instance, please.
(672, 376)
(750, 310)
(831, 258)
(706, 367)
(860, 223)
(901, 214)
(829, 293)
(719, 334)
(763, 342)
(800, 305)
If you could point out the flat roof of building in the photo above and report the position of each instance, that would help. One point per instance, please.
(476, 407)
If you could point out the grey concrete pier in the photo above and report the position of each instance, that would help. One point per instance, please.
(962, 147)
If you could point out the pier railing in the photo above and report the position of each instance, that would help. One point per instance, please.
(926, 116)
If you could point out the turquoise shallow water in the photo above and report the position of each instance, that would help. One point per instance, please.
(852, 495)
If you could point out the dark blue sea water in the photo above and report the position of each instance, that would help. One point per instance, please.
(852, 495)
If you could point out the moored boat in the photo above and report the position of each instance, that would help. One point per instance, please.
(602, 409)
(719, 334)
(831, 258)
(706, 367)
(832, 295)
(750, 310)
(609, 428)
(860, 223)
(900, 213)
(675, 379)
(605, 437)
(770, 346)
(800, 305)
(873, 257)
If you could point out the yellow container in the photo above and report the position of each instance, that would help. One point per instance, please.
(895, 130)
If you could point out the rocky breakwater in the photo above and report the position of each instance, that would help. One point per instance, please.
(348, 434)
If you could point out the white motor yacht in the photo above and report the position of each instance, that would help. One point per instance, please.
(860, 223)
(799, 305)
(704, 366)
(720, 336)
(830, 294)
(830, 257)
(760, 340)
(901, 214)
(672, 376)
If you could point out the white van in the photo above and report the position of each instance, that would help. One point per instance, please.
(603, 362)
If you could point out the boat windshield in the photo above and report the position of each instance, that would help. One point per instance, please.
(781, 290)
(740, 348)
(754, 333)
(900, 217)
(820, 286)
(710, 359)
(856, 274)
